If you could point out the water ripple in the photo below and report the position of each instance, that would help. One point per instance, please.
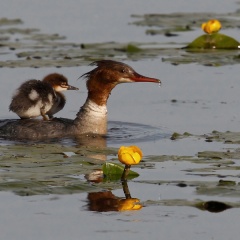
(134, 132)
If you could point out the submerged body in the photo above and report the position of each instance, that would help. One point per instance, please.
(36, 98)
(92, 116)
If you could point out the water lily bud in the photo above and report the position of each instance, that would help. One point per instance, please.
(129, 155)
(129, 204)
(212, 26)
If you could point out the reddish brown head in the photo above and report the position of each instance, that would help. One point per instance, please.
(107, 74)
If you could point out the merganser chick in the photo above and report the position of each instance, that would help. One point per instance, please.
(36, 98)
(92, 116)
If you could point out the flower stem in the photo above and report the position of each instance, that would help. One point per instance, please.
(125, 172)
(126, 190)
(124, 181)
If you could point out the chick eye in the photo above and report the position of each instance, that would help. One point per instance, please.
(123, 70)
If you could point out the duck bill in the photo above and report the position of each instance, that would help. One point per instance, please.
(139, 78)
(72, 88)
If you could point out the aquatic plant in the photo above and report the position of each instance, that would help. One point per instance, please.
(212, 39)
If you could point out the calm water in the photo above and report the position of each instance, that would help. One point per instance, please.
(207, 100)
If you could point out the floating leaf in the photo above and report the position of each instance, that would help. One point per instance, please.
(226, 137)
(113, 171)
(162, 23)
(176, 135)
(214, 41)
(226, 183)
(6, 21)
(132, 48)
(29, 169)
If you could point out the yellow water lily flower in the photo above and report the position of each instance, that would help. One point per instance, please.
(129, 155)
(212, 26)
(129, 204)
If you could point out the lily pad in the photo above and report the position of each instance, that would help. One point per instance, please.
(44, 168)
(219, 155)
(226, 137)
(36, 49)
(169, 24)
(6, 21)
(181, 22)
(114, 171)
(211, 206)
(205, 57)
(214, 41)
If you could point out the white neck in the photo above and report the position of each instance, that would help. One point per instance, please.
(92, 118)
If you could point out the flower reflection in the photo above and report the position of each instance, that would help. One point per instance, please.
(129, 204)
(107, 201)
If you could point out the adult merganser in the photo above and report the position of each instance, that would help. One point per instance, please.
(92, 116)
(40, 98)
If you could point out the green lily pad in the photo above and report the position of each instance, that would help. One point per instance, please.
(132, 48)
(211, 206)
(226, 137)
(50, 168)
(6, 21)
(176, 135)
(226, 183)
(113, 171)
(36, 49)
(214, 41)
(182, 22)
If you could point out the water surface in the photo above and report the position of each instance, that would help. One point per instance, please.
(193, 98)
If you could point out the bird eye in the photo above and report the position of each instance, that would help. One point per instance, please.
(123, 70)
